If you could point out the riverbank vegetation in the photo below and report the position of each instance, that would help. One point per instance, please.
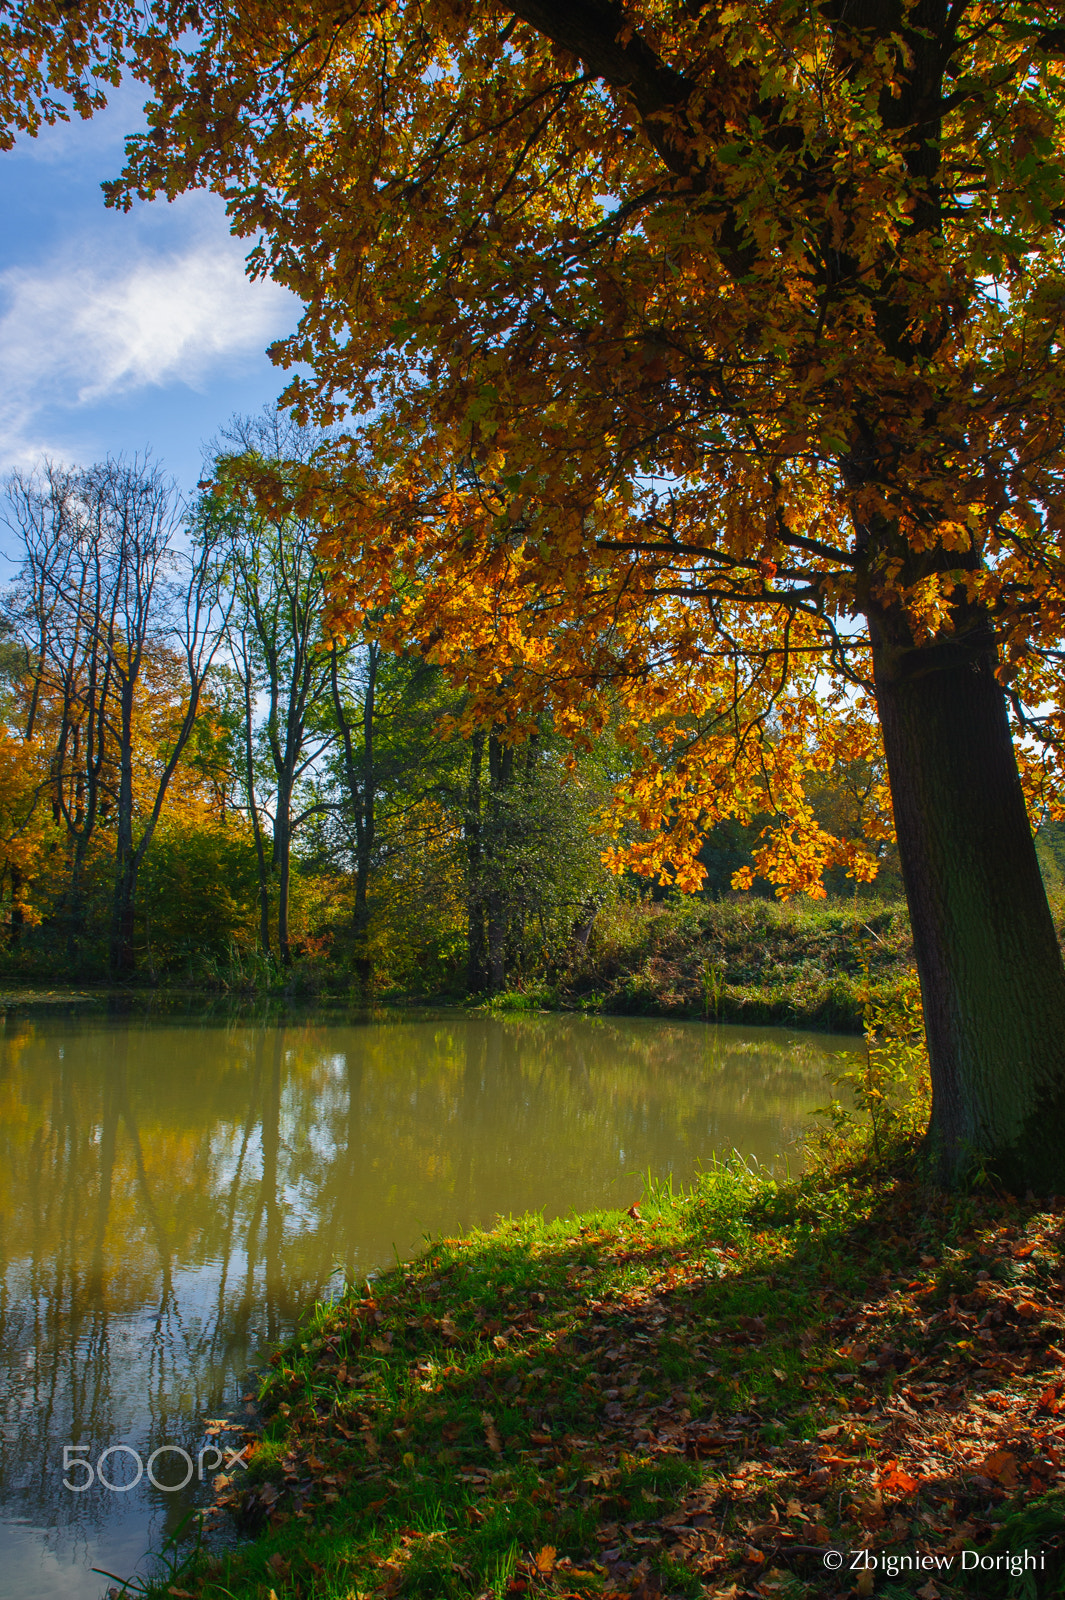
(206, 785)
(743, 959)
(201, 783)
(707, 1395)
(690, 392)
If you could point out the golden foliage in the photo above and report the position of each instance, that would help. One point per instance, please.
(686, 350)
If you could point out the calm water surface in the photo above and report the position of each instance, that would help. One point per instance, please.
(172, 1196)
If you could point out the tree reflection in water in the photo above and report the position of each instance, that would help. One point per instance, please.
(173, 1195)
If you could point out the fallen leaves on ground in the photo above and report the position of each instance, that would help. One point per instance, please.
(913, 1415)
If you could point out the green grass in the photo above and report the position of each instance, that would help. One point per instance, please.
(633, 1404)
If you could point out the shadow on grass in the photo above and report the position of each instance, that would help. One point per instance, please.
(706, 1399)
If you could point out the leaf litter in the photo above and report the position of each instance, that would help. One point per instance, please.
(699, 1398)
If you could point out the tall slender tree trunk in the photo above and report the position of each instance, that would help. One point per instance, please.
(361, 776)
(121, 952)
(367, 811)
(256, 825)
(18, 916)
(500, 775)
(990, 966)
(476, 960)
(283, 867)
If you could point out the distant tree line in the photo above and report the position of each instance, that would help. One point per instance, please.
(200, 777)
(197, 775)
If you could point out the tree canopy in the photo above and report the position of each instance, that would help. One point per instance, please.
(709, 352)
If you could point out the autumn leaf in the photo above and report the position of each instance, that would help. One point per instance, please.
(1001, 1464)
(491, 1433)
(902, 1482)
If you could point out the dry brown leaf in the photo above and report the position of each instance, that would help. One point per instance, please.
(1001, 1464)
(544, 1561)
(901, 1482)
(491, 1433)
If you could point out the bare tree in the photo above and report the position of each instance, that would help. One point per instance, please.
(277, 642)
(103, 592)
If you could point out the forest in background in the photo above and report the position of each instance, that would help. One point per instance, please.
(202, 783)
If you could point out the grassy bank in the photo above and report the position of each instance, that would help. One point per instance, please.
(806, 963)
(702, 1397)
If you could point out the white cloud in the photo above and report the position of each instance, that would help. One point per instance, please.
(82, 329)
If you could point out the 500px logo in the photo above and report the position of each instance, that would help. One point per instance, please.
(74, 1461)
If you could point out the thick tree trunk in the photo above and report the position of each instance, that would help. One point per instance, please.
(991, 972)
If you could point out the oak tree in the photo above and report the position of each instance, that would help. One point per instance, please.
(711, 350)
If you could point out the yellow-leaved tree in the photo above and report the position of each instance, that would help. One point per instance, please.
(708, 351)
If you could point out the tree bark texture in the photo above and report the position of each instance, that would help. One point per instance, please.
(992, 980)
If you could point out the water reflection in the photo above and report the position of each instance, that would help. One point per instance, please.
(172, 1196)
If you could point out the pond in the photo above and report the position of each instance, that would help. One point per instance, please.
(174, 1192)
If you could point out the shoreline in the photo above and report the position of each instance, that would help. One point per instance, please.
(751, 962)
(700, 1397)
(746, 1011)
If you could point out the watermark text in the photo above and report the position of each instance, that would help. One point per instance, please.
(120, 1468)
(1013, 1562)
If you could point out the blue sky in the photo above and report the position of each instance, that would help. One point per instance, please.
(121, 331)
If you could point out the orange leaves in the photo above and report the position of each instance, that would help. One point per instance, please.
(1051, 1400)
(1002, 1466)
(894, 1479)
(645, 331)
